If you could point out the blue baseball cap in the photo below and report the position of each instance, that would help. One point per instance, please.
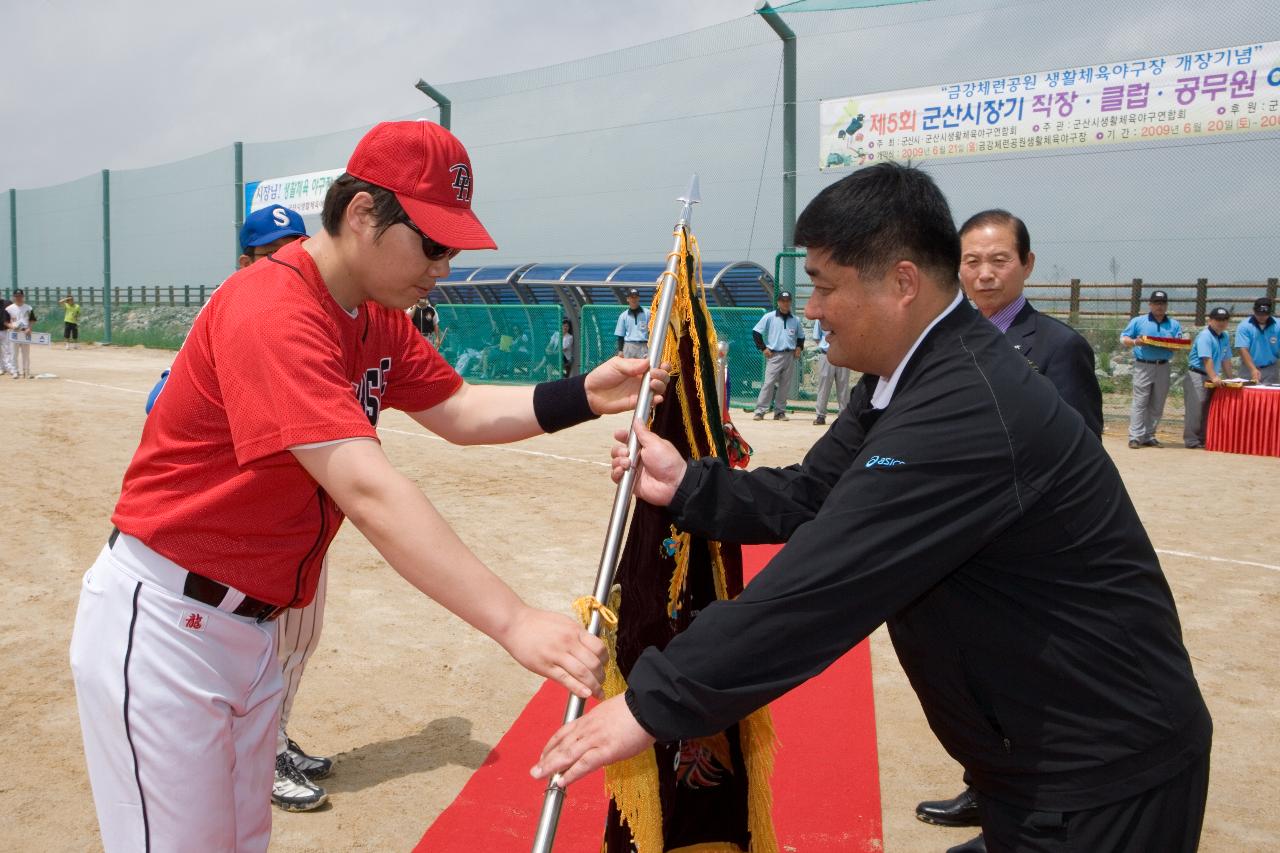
(269, 224)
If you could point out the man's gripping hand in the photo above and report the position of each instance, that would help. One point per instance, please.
(615, 385)
(660, 469)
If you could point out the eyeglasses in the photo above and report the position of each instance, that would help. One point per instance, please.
(433, 250)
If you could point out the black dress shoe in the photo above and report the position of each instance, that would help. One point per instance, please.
(973, 845)
(958, 811)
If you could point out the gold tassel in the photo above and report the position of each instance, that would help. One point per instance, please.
(633, 783)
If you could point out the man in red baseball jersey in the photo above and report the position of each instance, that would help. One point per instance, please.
(266, 442)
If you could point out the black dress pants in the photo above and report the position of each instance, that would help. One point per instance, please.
(1166, 819)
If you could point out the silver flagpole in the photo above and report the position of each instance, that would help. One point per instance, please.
(621, 500)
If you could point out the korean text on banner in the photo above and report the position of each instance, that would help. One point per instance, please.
(1208, 93)
(303, 193)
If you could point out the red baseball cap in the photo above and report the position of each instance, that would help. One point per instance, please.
(430, 173)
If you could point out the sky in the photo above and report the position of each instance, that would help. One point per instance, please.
(121, 84)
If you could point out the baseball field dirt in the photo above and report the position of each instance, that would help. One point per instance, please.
(409, 699)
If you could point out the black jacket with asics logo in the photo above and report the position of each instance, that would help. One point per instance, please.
(981, 518)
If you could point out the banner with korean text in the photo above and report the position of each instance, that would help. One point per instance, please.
(1231, 90)
(303, 193)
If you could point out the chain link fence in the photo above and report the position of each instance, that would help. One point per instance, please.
(568, 169)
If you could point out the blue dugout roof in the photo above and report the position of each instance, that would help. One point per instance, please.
(743, 284)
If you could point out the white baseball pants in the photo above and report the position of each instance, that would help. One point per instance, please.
(179, 703)
(297, 635)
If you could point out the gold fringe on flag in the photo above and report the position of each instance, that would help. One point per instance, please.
(634, 785)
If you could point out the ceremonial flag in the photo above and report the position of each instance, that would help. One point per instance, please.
(706, 794)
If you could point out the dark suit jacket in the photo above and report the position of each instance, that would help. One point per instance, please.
(1064, 357)
(981, 519)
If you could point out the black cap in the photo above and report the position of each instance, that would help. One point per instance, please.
(786, 294)
(633, 292)
(1158, 296)
(1219, 314)
(1262, 305)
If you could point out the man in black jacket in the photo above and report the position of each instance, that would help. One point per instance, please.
(958, 498)
(995, 262)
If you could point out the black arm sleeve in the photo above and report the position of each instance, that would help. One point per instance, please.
(923, 496)
(756, 336)
(562, 403)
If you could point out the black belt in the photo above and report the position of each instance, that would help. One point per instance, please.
(1197, 370)
(1149, 361)
(210, 592)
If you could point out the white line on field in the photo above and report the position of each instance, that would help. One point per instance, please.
(1210, 558)
(111, 387)
(500, 447)
(1217, 559)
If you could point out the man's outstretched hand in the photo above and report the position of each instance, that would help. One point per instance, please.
(607, 733)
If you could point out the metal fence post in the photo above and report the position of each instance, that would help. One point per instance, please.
(1202, 298)
(1135, 297)
(239, 208)
(788, 36)
(106, 256)
(1271, 290)
(13, 238)
(1075, 302)
(445, 105)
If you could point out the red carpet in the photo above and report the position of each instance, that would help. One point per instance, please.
(826, 783)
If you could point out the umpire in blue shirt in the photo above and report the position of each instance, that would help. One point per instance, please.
(1208, 362)
(1150, 369)
(1258, 341)
(632, 329)
(780, 337)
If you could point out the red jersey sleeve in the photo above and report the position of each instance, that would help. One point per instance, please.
(424, 379)
(281, 369)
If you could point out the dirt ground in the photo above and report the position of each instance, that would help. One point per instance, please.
(410, 700)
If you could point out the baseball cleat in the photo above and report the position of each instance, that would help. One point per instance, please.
(292, 791)
(312, 766)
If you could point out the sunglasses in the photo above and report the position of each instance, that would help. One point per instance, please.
(433, 250)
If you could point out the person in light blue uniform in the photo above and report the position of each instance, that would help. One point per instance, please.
(1208, 362)
(1258, 341)
(632, 330)
(827, 374)
(780, 337)
(1150, 369)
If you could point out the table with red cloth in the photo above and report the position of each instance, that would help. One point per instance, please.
(1245, 420)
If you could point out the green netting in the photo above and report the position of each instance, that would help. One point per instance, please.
(507, 344)
(567, 169)
(597, 343)
(746, 366)
(59, 234)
